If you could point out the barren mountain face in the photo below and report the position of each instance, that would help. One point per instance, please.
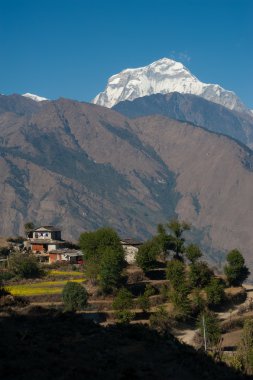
(82, 166)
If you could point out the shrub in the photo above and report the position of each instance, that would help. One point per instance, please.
(208, 324)
(111, 265)
(175, 273)
(143, 302)
(193, 253)
(199, 275)
(146, 255)
(24, 266)
(215, 292)
(235, 270)
(74, 296)
(122, 304)
(181, 302)
(160, 320)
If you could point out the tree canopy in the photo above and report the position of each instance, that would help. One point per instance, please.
(236, 270)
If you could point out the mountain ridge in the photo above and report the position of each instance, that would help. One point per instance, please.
(163, 76)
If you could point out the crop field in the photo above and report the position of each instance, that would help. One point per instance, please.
(60, 273)
(40, 288)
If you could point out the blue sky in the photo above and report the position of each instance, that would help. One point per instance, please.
(69, 48)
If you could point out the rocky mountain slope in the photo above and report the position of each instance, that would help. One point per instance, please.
(163, 76)
(193, 109)
(82, 166)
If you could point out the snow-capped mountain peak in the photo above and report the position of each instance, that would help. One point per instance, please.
(163, 76)
(34, 97)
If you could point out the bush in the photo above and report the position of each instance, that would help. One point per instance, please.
(235, 270)
(215, 292)
(111, 266)
(143, 302)
(24, 266)
(181, 302)
(74, 296)
(208, 324)
(122, 304)
(193, 253)
(160, 320)
(199, 275)
(175, 273)
(146, 255)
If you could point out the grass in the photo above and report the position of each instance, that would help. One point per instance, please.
(39, 288)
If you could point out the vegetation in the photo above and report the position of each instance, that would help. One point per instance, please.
(193, 253)
(199, 275)
(160, 320)
(175, 273)
(181, 302)
(147, 255)
(24, 266)
(104, 257)
(209, 328)
(122, 304)
(29, 226)
(178, 228)
(244, 354)
(111, 266)
(74, 296)
(215, 292)
(39, 288)
(235, 270)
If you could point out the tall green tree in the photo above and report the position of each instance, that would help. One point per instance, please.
(147, 254)
(193, 253)
(111, 266)
(199, 274)
(177, 229)
(175, 273)
(236, 270)
(209, 327)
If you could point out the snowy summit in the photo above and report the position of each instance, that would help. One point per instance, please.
(34, 97)
(163, 76)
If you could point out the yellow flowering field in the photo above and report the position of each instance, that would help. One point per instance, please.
(39, 288)
(56, 273)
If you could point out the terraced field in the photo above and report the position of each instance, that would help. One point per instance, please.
(57, 281)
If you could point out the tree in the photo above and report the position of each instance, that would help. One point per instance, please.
(122, 304)
(245, 349)
(111, 266)
(208, 324)
(199, 275)
(215, 292)
(24, 266)
(143, 299)
(74, 296)
(160, 320)
(95, 245)
(143, 302)
(175, 273)
(180, 301)
(235, 270)
(193, 253)
(29, 226)
(178, 228)
(146, 255)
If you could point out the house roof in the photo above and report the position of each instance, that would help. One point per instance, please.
(46, 241)
(129, 241)
(67, 251)
(46, 228)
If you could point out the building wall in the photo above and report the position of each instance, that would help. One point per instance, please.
(130, 253)
(37, 247)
